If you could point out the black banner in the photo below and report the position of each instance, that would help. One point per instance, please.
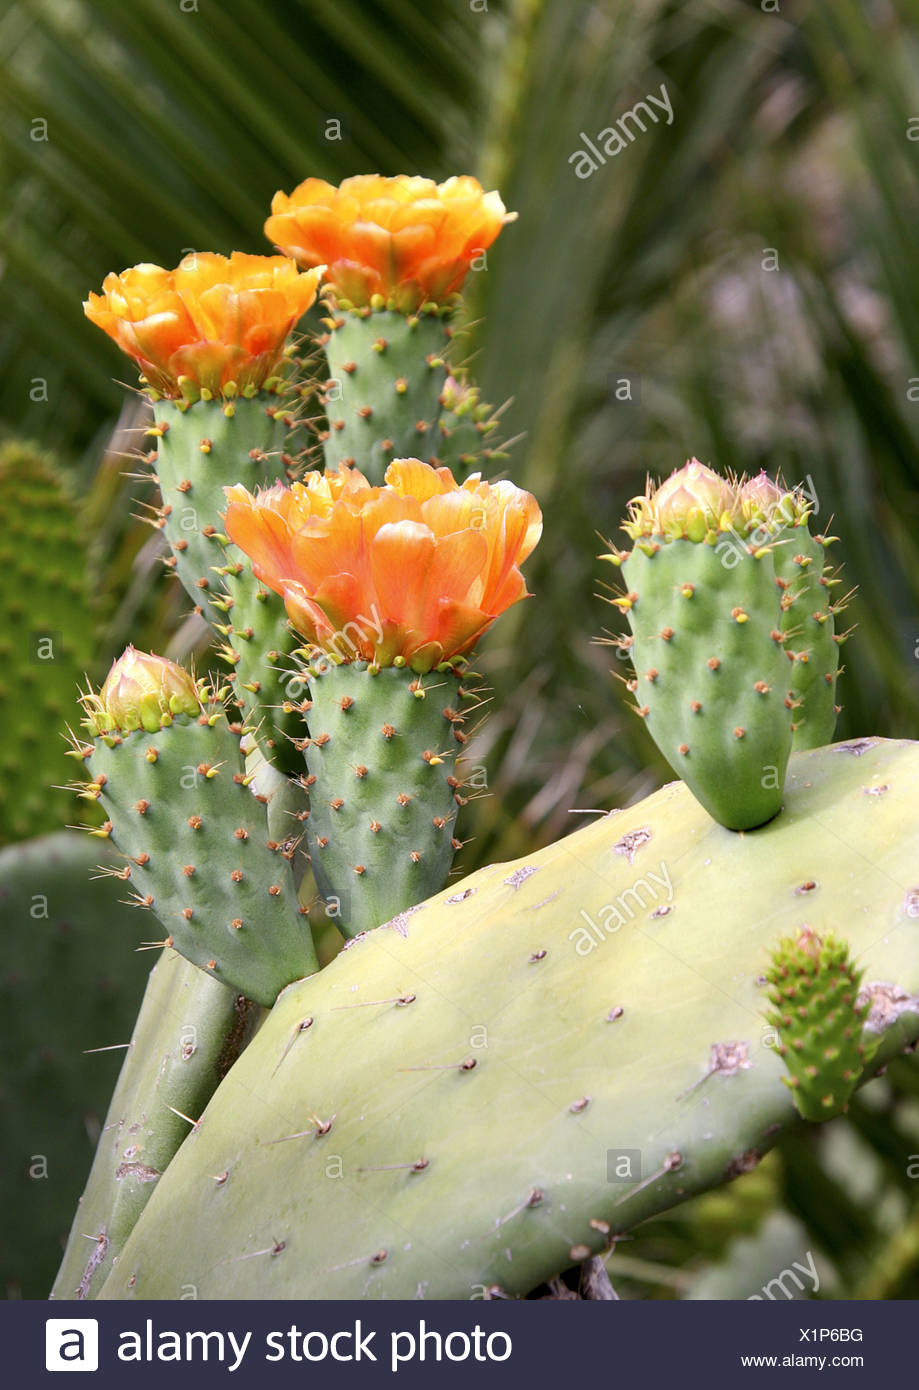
(495, 1343)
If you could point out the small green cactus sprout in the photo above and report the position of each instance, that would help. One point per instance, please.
(819, 1018)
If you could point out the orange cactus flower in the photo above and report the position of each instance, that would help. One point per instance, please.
(413, 572)
(409, 241)
(214, 325)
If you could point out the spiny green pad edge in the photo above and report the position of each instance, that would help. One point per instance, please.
(467, 431)
(258, 646)
(808, 620)
(383, 795)
(386, 374)
(648, 1038)
(711, 671)
(189, 1031)
(199, 855)
(200, 449)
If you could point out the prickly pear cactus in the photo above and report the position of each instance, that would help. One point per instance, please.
(386, 375)
(170, 774)
(732, 635)
(200, 448)
(383, 791)
(189, 1031)
(467, 429)
(476, 1096)
(809, 624)
(47, 635)
(819, 1017)
(258, 647)
(711, 674)
(71, 982)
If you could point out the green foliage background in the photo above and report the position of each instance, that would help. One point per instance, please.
(750, 267)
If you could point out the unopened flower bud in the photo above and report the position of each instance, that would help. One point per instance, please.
(141, 691)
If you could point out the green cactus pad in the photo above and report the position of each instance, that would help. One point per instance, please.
(467, 427)
(198, 852)
(621, 1061)
(383, 791)
(200, 449)
(258, 647)
(711, 670)
(71, 981)
(819, 1019)
(808, 621)
(386, 375)
(189, 1031)
(47, 637)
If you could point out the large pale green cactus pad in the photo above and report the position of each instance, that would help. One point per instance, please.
(488, 1089)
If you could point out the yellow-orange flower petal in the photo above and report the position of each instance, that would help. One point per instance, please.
(419, 568)
(213, 321)
(409, 240)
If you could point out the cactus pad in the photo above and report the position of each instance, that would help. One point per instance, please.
(189, 1031)
(539, 1058)
(711, 671)
(467, 430)
(383, 794)
(258, 647)
(200, 449)
(386, 375)
(196, 843)
(808, 621)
